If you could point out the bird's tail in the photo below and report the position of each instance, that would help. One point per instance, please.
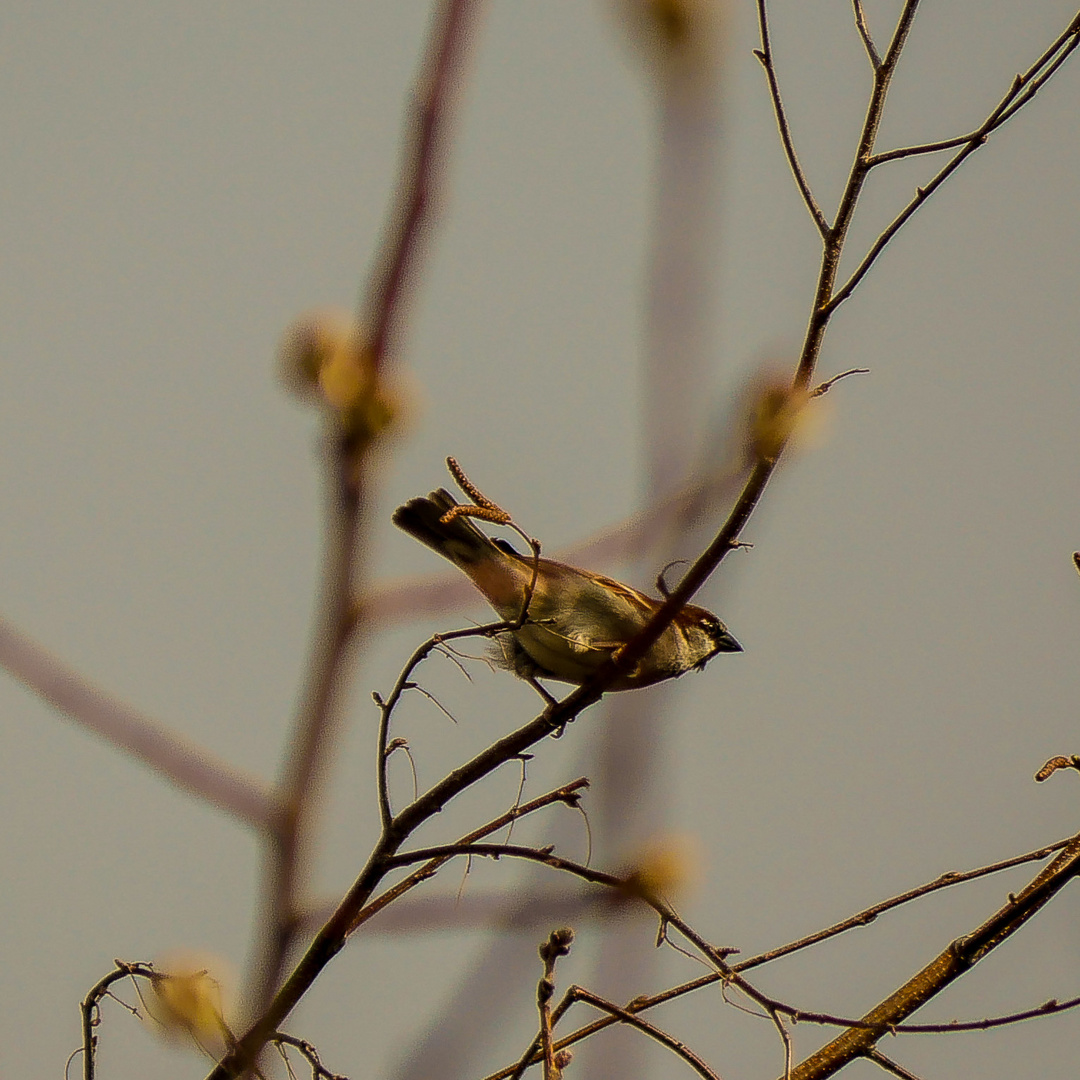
(458, 540)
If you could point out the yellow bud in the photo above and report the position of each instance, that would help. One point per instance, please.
(678, 34)
(188, 998)
(666, 866)
(325, 357)
(778, 414)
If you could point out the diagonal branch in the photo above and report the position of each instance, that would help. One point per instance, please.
(764, 54)
(1022, 90)
(180, 761)
(960, 956)
(864, 33)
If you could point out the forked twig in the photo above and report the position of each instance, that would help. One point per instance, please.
(862, 918)
(1024, 87)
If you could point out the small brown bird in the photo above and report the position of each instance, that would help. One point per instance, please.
(577, 619)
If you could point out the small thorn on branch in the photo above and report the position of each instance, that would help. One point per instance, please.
(828, 384)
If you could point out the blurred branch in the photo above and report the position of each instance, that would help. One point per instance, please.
(179, 760)
(420, 174)
(348, 465)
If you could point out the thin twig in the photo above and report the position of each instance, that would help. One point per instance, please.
(864, 33)
(403, 683)
(764, 54)
(868, 915)
(615, 1014)
(834, 245)
(660, 1036)
(318, 1070)
(544, 856)
(889, 1065)
(567, 794)
(785, 1039)
(91, 1008)
(1023, 89)
(828, 384)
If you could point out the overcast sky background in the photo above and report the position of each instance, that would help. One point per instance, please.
(179, 181)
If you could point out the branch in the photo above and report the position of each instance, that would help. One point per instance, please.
(179, 760)
(347, 468)
(864, 33)
(318, 1070)
(961, 955)
(764, 54)
(1023, 89)
(861, 919)
(420, 175)
(890, 1066)
(567, 794)
(91, 1015)
(660, 1036)
(867, 916)
(543, 856)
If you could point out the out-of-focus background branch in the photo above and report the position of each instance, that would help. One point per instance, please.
(180, 188)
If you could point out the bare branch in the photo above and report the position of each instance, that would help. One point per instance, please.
(567, 794)
(318, 1070)
(660, 1036)
(863, 918)
(889, 1065)
(961, 955)
(764, 54)
(864, 33)
(314, 725)
(543, 856)
(1022, 90)
(828, 384)
(91, 1006)
(179, 760)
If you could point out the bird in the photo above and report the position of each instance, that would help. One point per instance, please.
(577, 620)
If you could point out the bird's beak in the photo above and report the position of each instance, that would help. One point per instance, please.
(726, 643)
